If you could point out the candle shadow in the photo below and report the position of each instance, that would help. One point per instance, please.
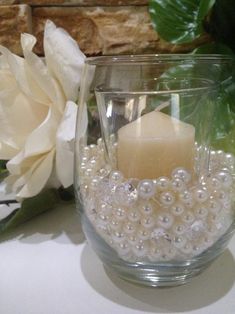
(205, 289)
(49, 225)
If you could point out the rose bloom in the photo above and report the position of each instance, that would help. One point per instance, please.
(38, 112)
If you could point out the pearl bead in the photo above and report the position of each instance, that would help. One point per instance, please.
(179, 228)
(177, 185)
(147, 222)
(213, 205)
(146, 209)
(94, 183)
(93, 149)
(181, 173)
(89, 172)
(187, 248)
(214, 183)
(177, 209)
(168, 253)
(123, 248)
(162, 183)
(225, 178)
(167, 198)
(120, 214)
(118, 236)
(146, 189)
(130, 227)
(200, 195)
(230, 160)
(86, 152)
(155, 253)
(116, 177)
(143, 234)
(201, 212)
(115, 224)
(132, 239)
(186, 197)
(165, 220)
(133, 215)
(105, 208)
(140, 249)
(188, 217)
(179, 242)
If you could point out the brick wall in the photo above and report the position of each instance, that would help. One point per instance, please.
(101, 27)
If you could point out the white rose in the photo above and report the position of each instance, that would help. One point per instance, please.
(38, 113)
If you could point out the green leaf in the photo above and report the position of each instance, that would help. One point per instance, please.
(221, 24)
(213, 48)
(30, 208)
(179, 21)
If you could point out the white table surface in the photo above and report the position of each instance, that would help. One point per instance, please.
(46, 267)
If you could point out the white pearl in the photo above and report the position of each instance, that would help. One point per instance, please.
(186, 197)
(179, 228)
(123, 248)
(146, 209)
(225, 178)
(94, 183)
(188, 217)
(140, 249)
(115, 224)
(143, 233)
(221, 195)
(120, 214)
(168, 253)
(177, 209)
(116, 177)
(132, 239)
(165, 220)
(162, 183)
(86, 152)
(200, 195)
(167, 198)
(155, 253)
(214, 183)
(213, 205)
(179, 241)
(118, 236)
(181, 173)
(201, 212)
(133, 215)
(88, 172)
(230, 160)
(177, 185)
(105, 208)
(93, 149)
(130, 227)
(147, 222)
(187, 248)
(146, 189)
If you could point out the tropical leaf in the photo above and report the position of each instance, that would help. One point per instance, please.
(179, 21)
(221, 23)
(30, 208)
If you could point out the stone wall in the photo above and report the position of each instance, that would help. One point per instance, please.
(101, 27)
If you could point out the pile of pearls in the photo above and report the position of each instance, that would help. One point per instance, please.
(157, 220)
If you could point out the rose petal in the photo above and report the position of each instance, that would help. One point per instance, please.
(38, 177)
(64, 59)
(65, 145)
(38, 72)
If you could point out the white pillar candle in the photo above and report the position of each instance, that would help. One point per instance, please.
(154, 145)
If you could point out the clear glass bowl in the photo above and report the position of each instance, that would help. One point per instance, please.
(154, 189)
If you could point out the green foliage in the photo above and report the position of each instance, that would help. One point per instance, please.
(30, 208)
(179, 21)
(221, 23)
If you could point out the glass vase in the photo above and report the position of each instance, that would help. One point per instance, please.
(154, 191)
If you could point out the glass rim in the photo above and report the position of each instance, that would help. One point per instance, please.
(156, 58)
(211, 87)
